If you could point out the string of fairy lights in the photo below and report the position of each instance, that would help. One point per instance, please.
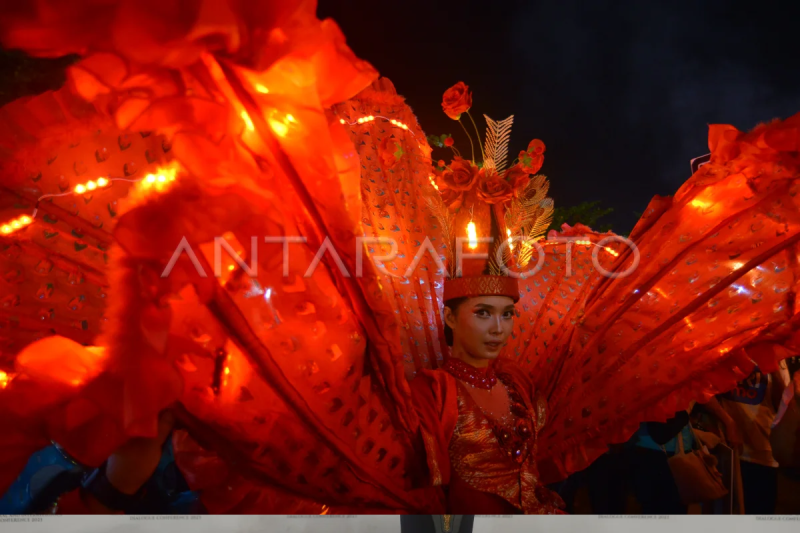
(163, 177)
(157, 180)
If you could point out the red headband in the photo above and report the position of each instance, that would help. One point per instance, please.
(470, 287)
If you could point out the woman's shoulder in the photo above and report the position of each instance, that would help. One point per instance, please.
(427, 379)
(512, 369)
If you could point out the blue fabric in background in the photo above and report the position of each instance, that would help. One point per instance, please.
(18, 497)
(46, 463)
(645, 441)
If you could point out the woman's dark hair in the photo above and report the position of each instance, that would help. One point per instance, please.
(453, 304)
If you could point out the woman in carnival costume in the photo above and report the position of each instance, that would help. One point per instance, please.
(291, 375)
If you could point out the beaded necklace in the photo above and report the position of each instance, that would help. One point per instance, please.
(477, 377)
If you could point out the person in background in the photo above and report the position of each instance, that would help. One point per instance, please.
(650, 475)
(748, 413)
(640, 466)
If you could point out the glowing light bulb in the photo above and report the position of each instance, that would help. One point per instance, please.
(227, 370)
(162, 178)
(4, 379)
(102, 182)
(80, 189)
(25, 219)
(472, 235)
(279, 128)
(290, 117)
(510, 240)
(91, 185)
(341, 121)
(150, 178)
(6, 229)
(260, 88)
(247, 121)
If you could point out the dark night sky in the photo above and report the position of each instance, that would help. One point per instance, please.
(621, 92)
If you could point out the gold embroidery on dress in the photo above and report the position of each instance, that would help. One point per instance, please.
(541, 412)
(431, 449)
(478, 459)
(447, 519)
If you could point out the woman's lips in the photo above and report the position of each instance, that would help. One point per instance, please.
(493, 345)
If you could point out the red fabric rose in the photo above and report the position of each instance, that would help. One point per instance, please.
(456, 100)
(452, 199)
(461, 176)
(448, 141)
(494, 189)
(536, 146)
(441, 163)
(390, 151)
(532, 159)
(438, 178)
(530, 163)
(518, 178)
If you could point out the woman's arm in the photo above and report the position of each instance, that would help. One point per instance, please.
(125, 472)
(435, 399)
(732, 434)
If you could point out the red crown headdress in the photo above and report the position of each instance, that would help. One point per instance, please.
(487, 199)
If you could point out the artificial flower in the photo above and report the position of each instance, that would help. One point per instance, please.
(390, 151)
(492, 188)
(530, 163)
(532, 159)
(456, 100)
(452, 199)
(448, 141)
(461, 175)
(518, 178)
(536, 146)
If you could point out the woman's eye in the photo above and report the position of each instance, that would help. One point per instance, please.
(508, 314)
(483, 313)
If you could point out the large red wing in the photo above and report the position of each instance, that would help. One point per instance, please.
(272, 372)
(54, 270)
(717, 271)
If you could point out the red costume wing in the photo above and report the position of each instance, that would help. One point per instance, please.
(395, 168)
(270, 372)
(54, 265)
(717, 271)
(552, 300)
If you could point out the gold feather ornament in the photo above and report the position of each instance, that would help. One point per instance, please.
(503, 202)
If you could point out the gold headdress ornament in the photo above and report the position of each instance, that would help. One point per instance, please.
(488, 201)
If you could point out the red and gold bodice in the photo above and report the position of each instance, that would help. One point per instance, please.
(481, 443)
(496, 456)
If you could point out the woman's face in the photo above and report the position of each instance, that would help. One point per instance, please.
(481, 326)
